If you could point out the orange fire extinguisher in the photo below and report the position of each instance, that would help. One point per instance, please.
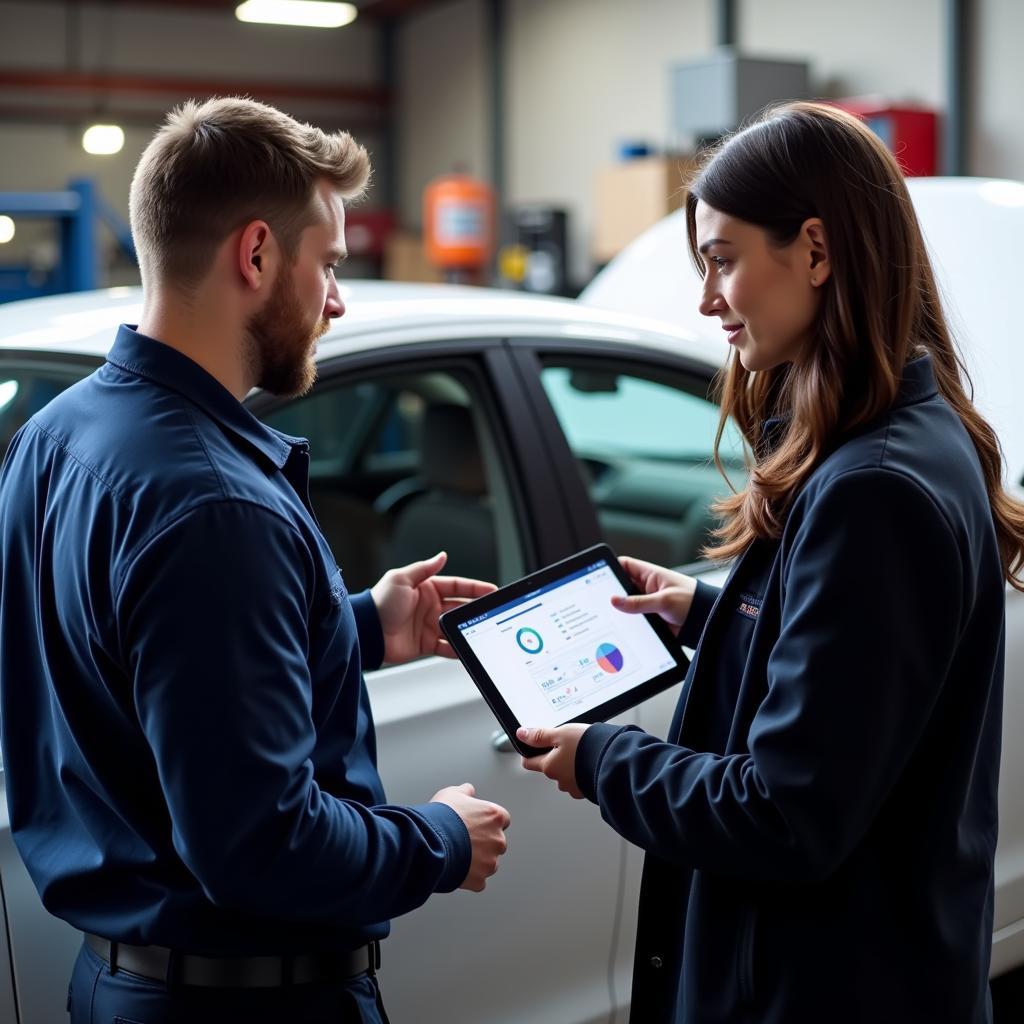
(458, 225)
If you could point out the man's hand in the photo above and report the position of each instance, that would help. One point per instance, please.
(663, 592)
(409, 602)
(559, 763)
(486, 823)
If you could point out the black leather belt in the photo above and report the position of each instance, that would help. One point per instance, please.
(161, 964)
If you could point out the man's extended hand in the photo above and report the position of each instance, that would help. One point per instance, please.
(559, 763)
(486, 824)
(409, 602)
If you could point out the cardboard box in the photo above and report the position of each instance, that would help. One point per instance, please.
(633, 195)
(405, 259)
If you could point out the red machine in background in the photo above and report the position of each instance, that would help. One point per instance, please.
(911, 133)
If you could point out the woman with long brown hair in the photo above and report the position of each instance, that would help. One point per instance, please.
(820, 824)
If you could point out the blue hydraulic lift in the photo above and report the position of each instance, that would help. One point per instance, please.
(78, 210)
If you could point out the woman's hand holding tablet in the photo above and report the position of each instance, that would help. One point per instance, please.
(552, 648)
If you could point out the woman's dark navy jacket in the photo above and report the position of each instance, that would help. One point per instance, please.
(820, 826)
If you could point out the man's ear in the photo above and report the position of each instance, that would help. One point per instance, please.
(256, 250)
(812, 233)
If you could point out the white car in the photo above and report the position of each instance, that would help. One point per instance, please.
(511, 432)
(561, 425)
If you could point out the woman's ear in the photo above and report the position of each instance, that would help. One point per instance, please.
(812, 233)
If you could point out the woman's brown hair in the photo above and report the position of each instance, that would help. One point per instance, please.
(880, 308)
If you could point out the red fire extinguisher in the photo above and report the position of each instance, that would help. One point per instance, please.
(458, 226)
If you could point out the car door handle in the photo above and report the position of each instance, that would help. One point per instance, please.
(502, 743)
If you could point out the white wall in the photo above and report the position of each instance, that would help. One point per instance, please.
(583, 75)
(855, 47)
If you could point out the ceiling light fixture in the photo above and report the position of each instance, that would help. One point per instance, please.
(308, 13)
(103, 139)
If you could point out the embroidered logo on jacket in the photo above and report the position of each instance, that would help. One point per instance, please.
(750, 605)
(337, 585)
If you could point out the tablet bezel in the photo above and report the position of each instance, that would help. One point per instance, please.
(451, 620)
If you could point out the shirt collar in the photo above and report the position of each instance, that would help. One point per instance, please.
(917, 383)
(146, 357)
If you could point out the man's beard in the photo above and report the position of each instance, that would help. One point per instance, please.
(279, 342)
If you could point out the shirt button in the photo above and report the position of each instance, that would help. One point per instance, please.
(656, 961)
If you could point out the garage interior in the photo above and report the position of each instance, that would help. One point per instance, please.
(516, 144)
(575, 119)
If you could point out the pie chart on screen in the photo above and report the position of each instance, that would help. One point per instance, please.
(609, 657)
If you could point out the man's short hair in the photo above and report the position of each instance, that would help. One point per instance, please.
(215, 166)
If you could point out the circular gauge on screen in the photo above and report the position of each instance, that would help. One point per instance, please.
(530, 640)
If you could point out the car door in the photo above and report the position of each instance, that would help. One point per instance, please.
(36, 949)
(633, 433)
(410, 453)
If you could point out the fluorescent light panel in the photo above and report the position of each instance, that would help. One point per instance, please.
(308, 13)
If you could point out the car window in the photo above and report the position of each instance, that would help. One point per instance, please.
(403, 465)
(24, 390)
(645, 447)
(334, 424)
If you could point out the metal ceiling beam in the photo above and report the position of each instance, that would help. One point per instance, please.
(76, 118)
(78, 81)
(395, 8)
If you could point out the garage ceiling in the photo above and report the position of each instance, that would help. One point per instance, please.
(30, 94)
(367, 8)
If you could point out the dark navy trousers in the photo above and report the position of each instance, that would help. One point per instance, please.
(98, 997)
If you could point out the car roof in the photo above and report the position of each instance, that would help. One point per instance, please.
(378, 314)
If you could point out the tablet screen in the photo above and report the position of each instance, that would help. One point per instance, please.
(562, 649)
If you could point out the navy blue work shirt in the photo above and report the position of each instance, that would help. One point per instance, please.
(820, 822)
(188, 747)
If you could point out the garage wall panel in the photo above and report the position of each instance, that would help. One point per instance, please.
(868, 47)
(996, 146)
(582, 76)
(443, 99)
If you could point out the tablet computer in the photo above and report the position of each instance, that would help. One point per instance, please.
(551, 648)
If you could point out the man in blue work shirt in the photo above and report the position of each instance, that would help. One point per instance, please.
(187, 739)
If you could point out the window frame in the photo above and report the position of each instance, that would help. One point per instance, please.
(532, 356)
(496, 389)
(14, 361)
